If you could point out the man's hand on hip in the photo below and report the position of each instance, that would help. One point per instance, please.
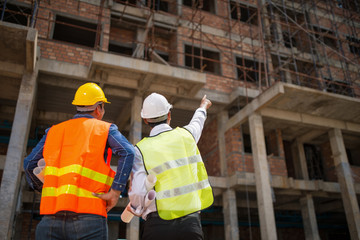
(111, 198)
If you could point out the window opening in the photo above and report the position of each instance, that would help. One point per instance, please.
(75, 31)
(17, 14)
(208, 5)
(289, 41)
(314, 161)
(158, 5)
(210, 62)
(247, 143)
(354, 44)
(243, 13)
(339, 87)
(326, 36)
(248, 70)
(125, 49)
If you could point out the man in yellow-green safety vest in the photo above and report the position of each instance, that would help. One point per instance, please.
(182, 186)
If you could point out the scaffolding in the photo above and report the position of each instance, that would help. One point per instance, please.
(300, 42)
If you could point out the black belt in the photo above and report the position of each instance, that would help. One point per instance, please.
(65, 214)
(156, 215)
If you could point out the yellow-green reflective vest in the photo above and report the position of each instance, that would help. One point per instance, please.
(182, 185)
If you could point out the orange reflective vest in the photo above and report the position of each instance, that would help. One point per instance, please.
(75, 167)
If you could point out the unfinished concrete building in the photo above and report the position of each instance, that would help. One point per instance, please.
(282, 140)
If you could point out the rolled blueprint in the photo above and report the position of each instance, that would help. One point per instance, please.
(150, 182)
(126, 215)
(150, 197)
(39, 170)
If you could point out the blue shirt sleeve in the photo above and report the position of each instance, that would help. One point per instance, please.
(30, 162)
(122, 148)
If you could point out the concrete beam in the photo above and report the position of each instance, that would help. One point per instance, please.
(309, 119)
(140, 66)
(73, 71)
(256, 104)
(31, 45)
(16, 150)
(262, 178)
(9, 69)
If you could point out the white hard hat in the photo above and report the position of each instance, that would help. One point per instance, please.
(154, 106)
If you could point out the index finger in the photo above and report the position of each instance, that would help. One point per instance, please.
(204, 97)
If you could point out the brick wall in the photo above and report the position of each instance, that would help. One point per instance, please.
(65, 52)
(237, 160)
(208, 146)
(328, 163)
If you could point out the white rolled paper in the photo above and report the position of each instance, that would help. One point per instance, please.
(39, 173)
(150, 197)
(39, 170)
(41, 163)
(150, 182)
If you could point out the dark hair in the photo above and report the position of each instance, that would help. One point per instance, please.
(153, 124)
(87, 112)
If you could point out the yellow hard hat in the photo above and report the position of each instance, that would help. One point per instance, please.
(88, 94)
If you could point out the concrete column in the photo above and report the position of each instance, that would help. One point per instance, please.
(262, 178)
(230, 215)
(222, 118)
(16, 151)
(309, 218)
(346, 182)
(135, 120)
(307, 203)
(304, 174)
(132, 228)
(113, 229)
(229, 196)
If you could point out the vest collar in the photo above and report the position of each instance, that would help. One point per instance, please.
(159, 129)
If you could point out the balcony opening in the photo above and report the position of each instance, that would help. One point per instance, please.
(75, 31)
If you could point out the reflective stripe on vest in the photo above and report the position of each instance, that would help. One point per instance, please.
(75, 167)
(182, 185)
